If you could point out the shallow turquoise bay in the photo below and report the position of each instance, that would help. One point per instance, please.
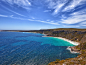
(56, 42)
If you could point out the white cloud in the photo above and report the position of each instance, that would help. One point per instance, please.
(81, 12)
(74, 4)
(47, 20)
(17, 13)
(64, 17)
(74, 19)
(32, 17)
(57, 8)
(13, 11)
(83, 24)
(12, 16)
(71, 26)
(56, 5)
(52, 22)
(47, 10)
(3, 15)
(20, 3)
(51, 3)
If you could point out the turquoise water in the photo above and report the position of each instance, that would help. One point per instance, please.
(56, 42)
(31, 49)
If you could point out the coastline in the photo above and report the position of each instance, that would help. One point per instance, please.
(72, 49)
(72, 42)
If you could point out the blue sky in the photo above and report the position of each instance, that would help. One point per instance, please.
(42, 14)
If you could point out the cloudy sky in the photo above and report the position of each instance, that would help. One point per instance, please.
(42, 14)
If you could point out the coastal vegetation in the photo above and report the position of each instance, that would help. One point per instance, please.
(78, 35)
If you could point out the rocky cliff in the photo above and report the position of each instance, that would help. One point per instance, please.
(78, 35)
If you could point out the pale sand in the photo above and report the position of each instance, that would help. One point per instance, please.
(72, 42)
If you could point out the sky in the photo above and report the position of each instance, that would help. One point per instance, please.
(42, 14)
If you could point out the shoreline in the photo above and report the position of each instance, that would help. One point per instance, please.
(73, 50)
(72, 42)
(70, 48)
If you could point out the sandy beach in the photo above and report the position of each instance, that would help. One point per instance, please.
(72, 42)
(71, 49)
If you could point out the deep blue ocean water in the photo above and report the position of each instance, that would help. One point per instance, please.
(21, 48)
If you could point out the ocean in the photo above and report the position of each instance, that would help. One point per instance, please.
(21, 48)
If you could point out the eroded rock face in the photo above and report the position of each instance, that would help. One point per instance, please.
(78, 35)
(83, 38)
(72, 35)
